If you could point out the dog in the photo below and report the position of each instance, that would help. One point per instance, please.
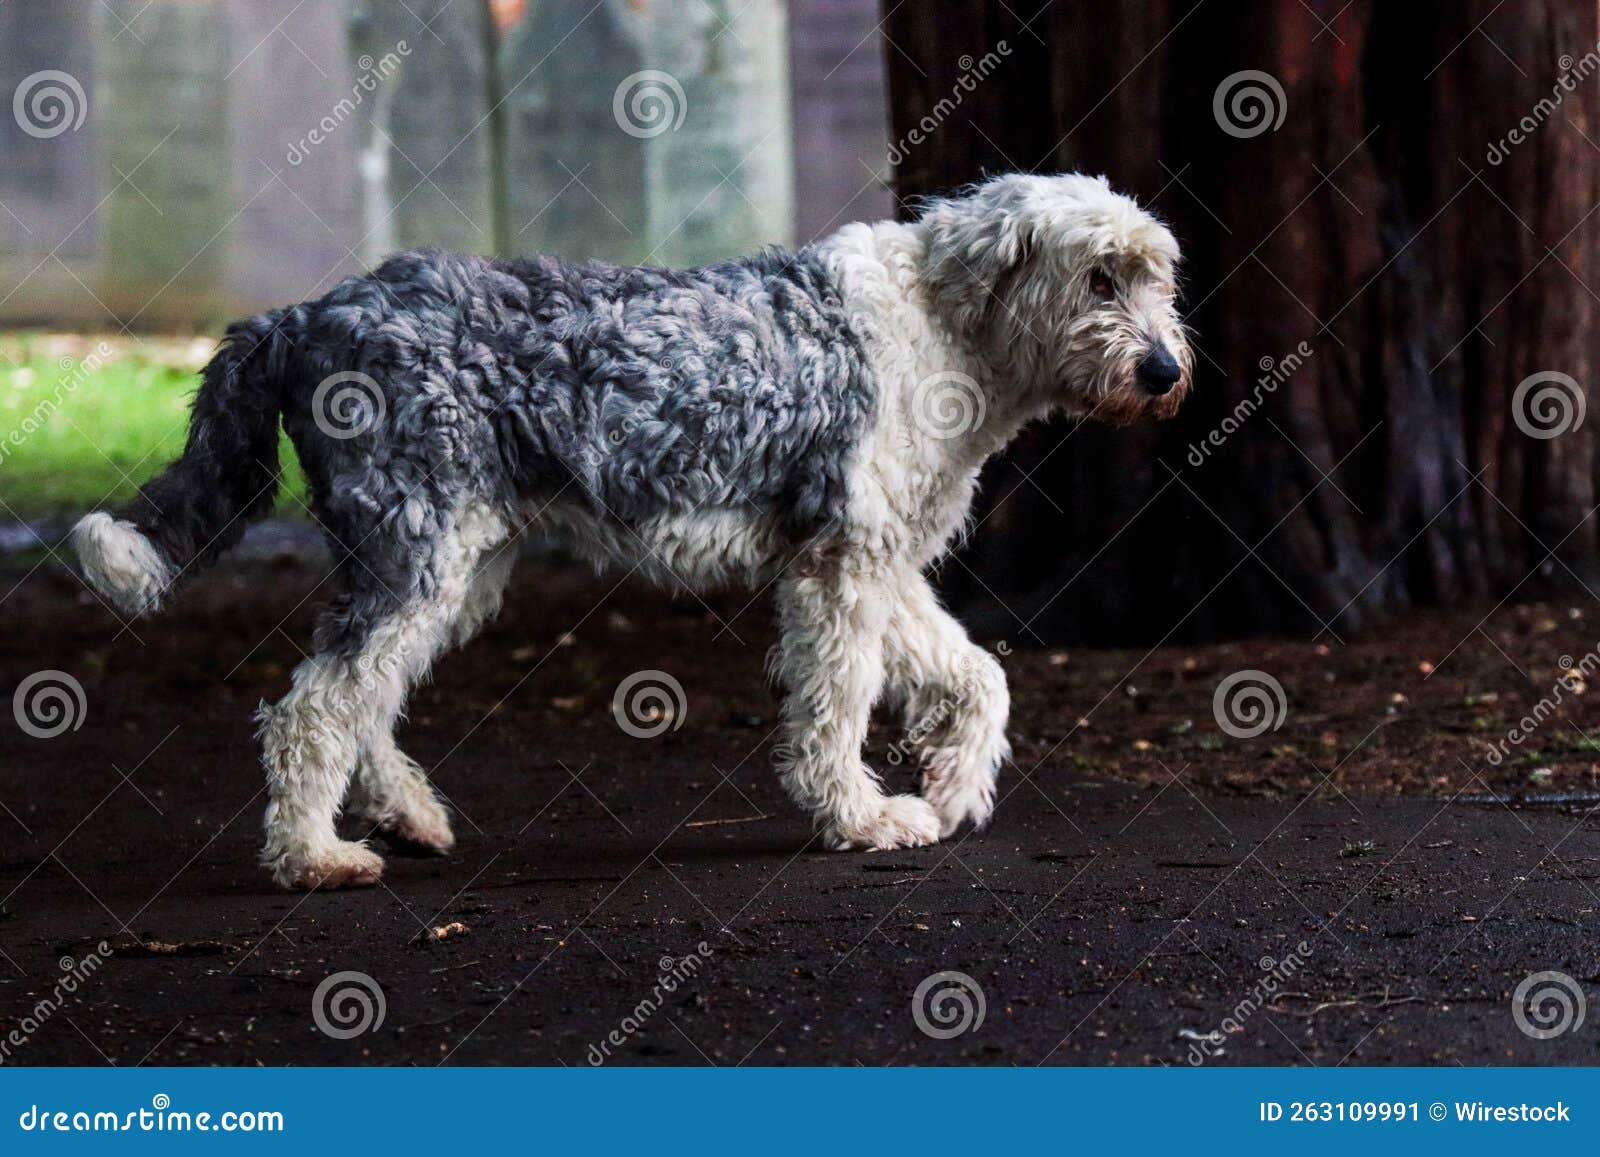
(813, 419)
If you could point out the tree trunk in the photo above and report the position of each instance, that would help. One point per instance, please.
(1418, 219)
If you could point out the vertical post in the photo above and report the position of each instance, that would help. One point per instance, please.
(494, 98)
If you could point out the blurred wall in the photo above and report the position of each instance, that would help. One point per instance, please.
(176, 162)
(841, 118)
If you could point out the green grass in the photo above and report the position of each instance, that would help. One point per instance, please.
(84, 420)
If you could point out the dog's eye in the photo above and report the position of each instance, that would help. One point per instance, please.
(1101, 285)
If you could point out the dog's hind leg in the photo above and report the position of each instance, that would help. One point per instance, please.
(346, 699)
(391, 790)
(830, 661)
(393, 793)
(310, 739)
(956, 705)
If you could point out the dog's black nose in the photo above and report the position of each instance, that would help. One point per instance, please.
(1159, 371)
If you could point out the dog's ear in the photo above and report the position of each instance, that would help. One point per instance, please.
(975, 251)
(998, 301)
(1006, 244)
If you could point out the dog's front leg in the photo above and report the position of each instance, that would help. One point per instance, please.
(956, 704)
(830, 661)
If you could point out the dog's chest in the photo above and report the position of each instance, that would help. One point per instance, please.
(911, 497)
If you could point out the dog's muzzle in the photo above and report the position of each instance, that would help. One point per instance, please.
(1159, 371)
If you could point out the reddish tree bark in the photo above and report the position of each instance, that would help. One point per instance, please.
(1428, 260)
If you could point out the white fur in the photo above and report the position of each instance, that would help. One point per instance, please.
(121, 563)
(994, 287)
(341, 713)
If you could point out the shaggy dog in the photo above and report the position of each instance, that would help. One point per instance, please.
(814, 419)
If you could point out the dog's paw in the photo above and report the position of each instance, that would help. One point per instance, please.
(422, 824)
(346, 864)
(900, 821)
(959, 799)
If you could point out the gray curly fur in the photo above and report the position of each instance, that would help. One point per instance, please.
(636, 391)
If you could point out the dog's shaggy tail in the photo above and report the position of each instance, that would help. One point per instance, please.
(200, 505)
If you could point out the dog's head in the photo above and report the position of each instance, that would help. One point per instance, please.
(1068, 289)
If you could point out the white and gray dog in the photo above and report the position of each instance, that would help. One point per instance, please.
(814, 419)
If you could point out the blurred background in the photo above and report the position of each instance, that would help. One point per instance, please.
(306, 140)
(1340, 611)
(171, 165)
(1385, 211)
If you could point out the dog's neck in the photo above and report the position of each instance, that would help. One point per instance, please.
(885, 267)
(966, 310)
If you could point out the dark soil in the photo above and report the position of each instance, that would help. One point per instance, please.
(1141, 869)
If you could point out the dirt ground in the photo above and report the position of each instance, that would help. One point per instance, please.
(1144, 875)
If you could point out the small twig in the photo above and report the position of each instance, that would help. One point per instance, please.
(535, 881)
(1383, 1000)
(736, 820)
